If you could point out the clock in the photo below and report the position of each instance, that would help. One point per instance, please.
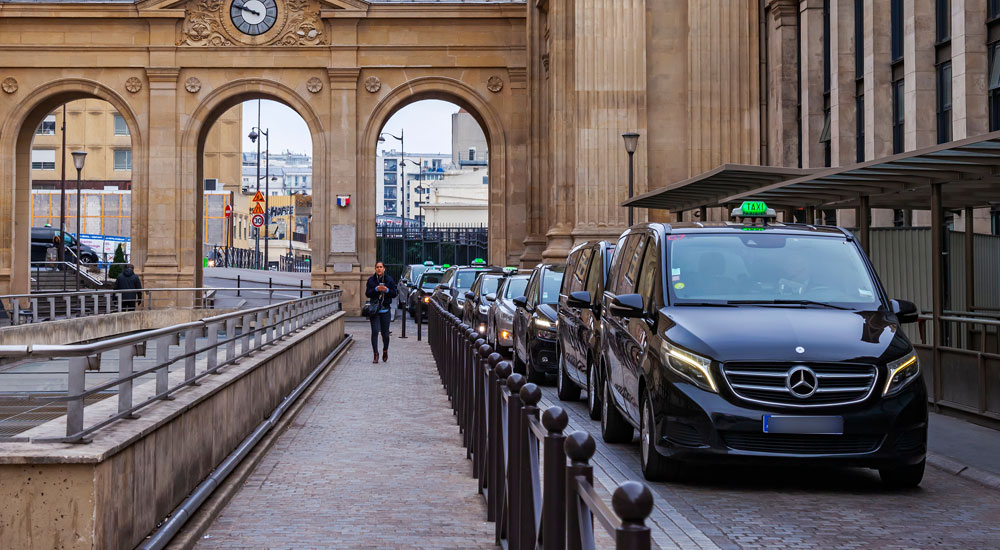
(253, 17)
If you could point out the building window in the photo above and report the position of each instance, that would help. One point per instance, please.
(993, 51)
(830, 217)
(121, 129)
(389, 206)
(43, 159)
(123, 159)
(944, 102)
(47, 127)
(859, 127)
(390, 193)
(859, 38)
(390, 178)
(942, 19)
(472, 153)
(993, 9)
(898, 116)
(824, 136)
(995, 219)
(896, 28)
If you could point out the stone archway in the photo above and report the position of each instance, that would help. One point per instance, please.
(192, 154)
(16, 135)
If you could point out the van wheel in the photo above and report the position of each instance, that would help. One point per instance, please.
(903, 476)
(518, 365)
(593, 399)
(567, 389)
(655, 467)
(533, 375)
(614, 428)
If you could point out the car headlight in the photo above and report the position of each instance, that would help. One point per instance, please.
(427, 299)
(543, 323)
(482, 328)
(506, 317)
(902, 371)
(694, 367)
(546, 329)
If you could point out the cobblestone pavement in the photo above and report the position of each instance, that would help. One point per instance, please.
(374, 460)
(800, 507)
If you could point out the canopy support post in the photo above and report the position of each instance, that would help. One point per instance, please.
(937, 278)
(864, 222)
(970, 262)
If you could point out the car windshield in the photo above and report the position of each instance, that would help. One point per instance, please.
(430, 280)
(516, 287)
(464, 279)
(763, 267)
(551, 283)
(490, 284)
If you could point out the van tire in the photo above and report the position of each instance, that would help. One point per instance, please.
(655, 467)
(566, 388)
(614, 427)
(593, 391)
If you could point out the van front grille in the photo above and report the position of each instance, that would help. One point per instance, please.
(771, 383)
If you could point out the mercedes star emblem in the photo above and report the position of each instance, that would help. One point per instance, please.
(802, 382)
(800, 349)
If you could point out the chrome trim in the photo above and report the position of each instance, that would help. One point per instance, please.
(870, 378)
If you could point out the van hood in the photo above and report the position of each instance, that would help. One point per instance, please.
(751, 333)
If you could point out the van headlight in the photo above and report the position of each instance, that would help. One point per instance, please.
(694, 367)
(902, 371)
(546, 329)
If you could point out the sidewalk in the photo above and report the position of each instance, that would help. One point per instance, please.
(374, 460)
(963, 448)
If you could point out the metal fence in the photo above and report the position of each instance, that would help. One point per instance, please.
(519, 453)
(249, 329)
(455, 245)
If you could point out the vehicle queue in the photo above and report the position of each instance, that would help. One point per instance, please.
(719, 342)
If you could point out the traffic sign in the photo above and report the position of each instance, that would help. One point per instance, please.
(259, 197)
(228, 212)
(257, 209)
(257, 220)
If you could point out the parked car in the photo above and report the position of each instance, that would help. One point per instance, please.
(535, 323)
(500, 319)
(422, 291)
(408, 282)
(731, 342)
(43, 237)
(479, 298)
(580, 322)
(456, 281)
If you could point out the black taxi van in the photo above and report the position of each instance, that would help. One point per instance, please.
(755, 340)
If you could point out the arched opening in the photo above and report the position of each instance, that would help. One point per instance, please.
(50, 247)
(431, 187)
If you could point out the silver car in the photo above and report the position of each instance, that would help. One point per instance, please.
(500, 320)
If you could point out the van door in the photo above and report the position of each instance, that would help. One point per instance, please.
(640, 329)
(522, 318)
(615, 327)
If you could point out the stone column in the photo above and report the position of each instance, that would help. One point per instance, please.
(782, 132)
(843, 85)
(811, 71)
(970, 111)
(920, 84)
(540, 172)
(563, 126)
(878, 79)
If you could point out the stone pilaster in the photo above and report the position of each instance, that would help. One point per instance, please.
(540, 170)
(969, 68)
(920, 89)
(811, 73)
(843, 84)
(878, 79)
(782, 91)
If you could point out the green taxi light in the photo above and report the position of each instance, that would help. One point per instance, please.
(446, 266)
(428, 262)
(478, 261)
(754, 208)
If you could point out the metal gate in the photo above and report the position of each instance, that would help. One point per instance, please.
(455, 245)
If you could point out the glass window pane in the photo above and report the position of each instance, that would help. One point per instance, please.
(121, 129)
(994, 66)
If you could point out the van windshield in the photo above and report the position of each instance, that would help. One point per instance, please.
(430, 280)
(752, 267)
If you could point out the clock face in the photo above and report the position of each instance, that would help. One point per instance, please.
(253, 17)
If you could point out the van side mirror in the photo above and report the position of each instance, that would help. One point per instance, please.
(491, 297)
(580, 299)
(627, 305)
(905, 311)
(469, 295)
(521, 301)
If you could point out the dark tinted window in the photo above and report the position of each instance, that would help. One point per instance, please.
(649, 275)
(623, 255)
(430, 280)
(551, 282)
(580, 265)
(465, 279)
(516, 287)
(532, 291)
(629, 275)
(595, 279)
(490, 284)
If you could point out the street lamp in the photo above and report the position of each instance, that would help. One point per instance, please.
(79, 157)
(631, 140)
(256, 132)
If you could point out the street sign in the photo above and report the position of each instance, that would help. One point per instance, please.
(257, 209)
(257, 220)
(259, 197)
(228, 211)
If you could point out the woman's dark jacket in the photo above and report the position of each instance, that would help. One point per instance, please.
(373, 294)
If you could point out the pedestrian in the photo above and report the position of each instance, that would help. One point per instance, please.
(380, 290)
(128, 280)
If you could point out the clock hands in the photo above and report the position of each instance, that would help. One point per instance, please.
(243, 7)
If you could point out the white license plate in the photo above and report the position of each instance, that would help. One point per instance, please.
(780, 424)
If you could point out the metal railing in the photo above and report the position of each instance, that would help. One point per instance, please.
(535, 498)
(258, 327)
(48, 306)
(68, 274)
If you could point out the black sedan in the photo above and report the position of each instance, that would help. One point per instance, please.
(535, 323)
(478, 300)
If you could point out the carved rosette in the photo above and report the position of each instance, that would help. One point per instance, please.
(314, 85)
(9, 85)
(373, 84)
(133, 84)
(192, 85)
(494, 84)
(207, 23)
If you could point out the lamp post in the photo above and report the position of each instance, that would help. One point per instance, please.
(79, 157)
(255, 133)
(631, 140)
(62, 193)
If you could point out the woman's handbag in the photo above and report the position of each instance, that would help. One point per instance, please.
(368, 310)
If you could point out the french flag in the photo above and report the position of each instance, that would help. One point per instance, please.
(343, 200)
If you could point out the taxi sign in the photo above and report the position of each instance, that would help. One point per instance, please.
(478, 261)
(257, 209)
(754, 209)
(446, 266)
(259, 197)
(428, 263)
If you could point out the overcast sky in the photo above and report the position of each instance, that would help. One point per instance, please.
(426, 127)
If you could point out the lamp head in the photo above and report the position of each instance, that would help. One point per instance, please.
(79, 157)
(253, 135)
(631, 140)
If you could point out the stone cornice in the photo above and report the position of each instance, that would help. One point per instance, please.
(161, 75)
(518, 77)
(784, 12)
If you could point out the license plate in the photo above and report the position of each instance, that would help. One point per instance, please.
(778, 424)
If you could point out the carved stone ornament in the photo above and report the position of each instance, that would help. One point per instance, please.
(314, 85)
(133, 84)
(9, 84)
(192, 85)
(494, 84)
(207, 23)
(373, 84)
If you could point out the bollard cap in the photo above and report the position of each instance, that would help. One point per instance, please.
(479, 342)
(515, 382)
(632, 501)
(503, 369)
(530, 394)
(471, 335)
(494, 358)
(485, 350)
(555, 419)
(579, 446)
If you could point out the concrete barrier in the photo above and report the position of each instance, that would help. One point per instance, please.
(113, 491)
(82, 329)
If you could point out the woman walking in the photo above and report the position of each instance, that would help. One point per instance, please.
(380, 290)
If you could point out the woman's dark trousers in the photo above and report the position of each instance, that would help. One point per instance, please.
(380, 323)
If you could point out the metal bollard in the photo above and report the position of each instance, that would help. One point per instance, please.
(497, 450)
(515, 444)
(555, 420)
(633, 502)
(530, 395)
(580, 448)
